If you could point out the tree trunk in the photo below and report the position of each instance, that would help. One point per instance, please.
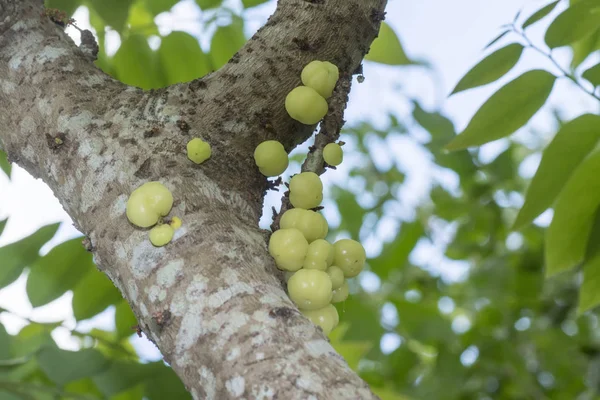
(212, 300)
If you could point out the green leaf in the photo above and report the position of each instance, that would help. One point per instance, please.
(16, 256)
(31, 338)
(3, 225)
(576, 22)
(573, 142)
(124, 320)
(5, 344)
(491, 68)
(4, 164)
(58, 271)
(136, 64)
(64, 366)
(592, 74)
(589, 293)
(68, 6)
(253, 3)
(113, 12)
(496, 39)
(141, 20)
(120, 376)
(165, 384)
(395, 255)
(584, 47)
(158, 6)
(93, 294)
(182, 59)
(567, 235)
(226, 41)
(507, 110)
(539, 14)
(352, 350)
(387, 49)
(206, 4)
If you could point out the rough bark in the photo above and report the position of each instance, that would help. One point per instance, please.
(212, 300)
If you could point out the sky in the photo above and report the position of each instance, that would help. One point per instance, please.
(450, 35)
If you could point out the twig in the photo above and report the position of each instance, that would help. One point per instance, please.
(329, 132)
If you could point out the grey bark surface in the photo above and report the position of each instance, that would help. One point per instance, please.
(212, 300)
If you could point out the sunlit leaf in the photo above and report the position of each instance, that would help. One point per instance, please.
(491, 68)
(206, 4)
(507, 110)
(576, 22)
(4, 164)
(589, 293)
(113, 12)
(93, 294)
(395, 254)
(584, 47)
(181, 58)
(539, 14)
(158, 6)
(136, 64)
(574, 211)
(253, 3)
(16, 256)
(58, 271)
(68, 6)
(387, 49)
(164, 384)
(64, 366)
(573, 142)
(120, 376)
(141, 20)
(124, 320)
(592, 74)
(226, 41)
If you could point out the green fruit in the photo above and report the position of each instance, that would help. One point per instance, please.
(315, 263)
(306, 190)
(327, 317)
(288, 247)
(321, 76)
(337, 276)
(333, 154)
(161, 235)
(350, 256)
(312, 224)
(148, 203)
(310, 289)
(319, 253)
(271, 158)
(305, 105)
(198, 150)
(340, 294)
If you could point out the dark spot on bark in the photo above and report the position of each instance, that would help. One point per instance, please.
(55, 142)
(377, 15)
(197, 84)
(124, 142)
(143, 171)
(315, 1)
(281, 312)
(183, 126)
(154, 131)
(235, 59)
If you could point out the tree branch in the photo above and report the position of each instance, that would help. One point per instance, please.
(226, 325)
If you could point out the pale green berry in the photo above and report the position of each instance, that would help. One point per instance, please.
(312, 224)
(327, 317)
(148, 203)
(305, 105)
(161, 235)
(337, 276)
(314, 263)
(306, 190)
(175, 223)
(333, 154)
(321, 76)
(288, 247)
(340, 294)
(198, 150)
(350, 256)
(271, 158)
(310, 289)
(318, 254)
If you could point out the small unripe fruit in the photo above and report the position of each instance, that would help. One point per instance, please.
(315, 263)
(312, 224)
(305, 105)
(336, 275)
(333, 154)
(271, 158)
(198, 150)
(175, 223)
(340, 294)
(350, 256)
(327, 317)
(310, 289)
(148, 203)
(288, 247)
(306, 190)
(321, 76)
(161, 235)
(319, 252)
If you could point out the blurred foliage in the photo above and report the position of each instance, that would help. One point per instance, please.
(461, 302)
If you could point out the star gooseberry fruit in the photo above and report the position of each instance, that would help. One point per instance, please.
(350, 256)
(327, 317)
(333, 154)
(198, 150)
(337, 277)
(312, 224)
(310, 289)
(340, 294)
(305, 105)
(148, 203)
(319, 253)
(306, 190)
(288, 247)
(161, 235)
(271, 158)
(321, 76)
